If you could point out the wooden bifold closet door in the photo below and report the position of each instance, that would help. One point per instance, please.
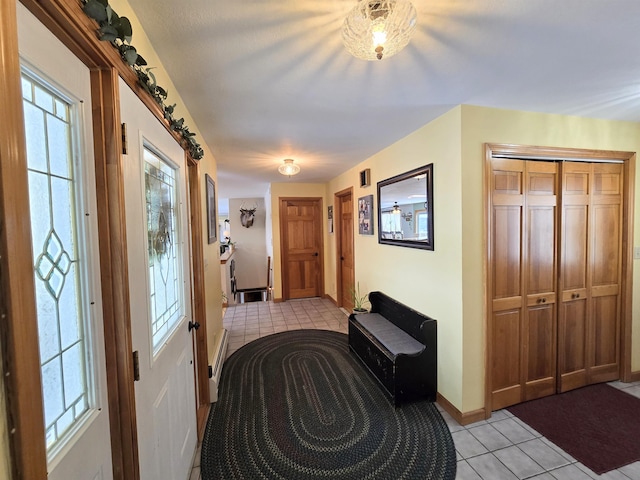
(590, 274)
(555, 244)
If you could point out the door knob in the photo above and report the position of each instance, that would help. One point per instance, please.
(315, 254)
(193, 325)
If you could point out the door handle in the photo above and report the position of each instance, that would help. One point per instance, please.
(193, 325)
(315, 254)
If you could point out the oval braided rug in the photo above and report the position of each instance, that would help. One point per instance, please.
(297, 405)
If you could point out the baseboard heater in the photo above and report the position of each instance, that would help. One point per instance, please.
(215, 368)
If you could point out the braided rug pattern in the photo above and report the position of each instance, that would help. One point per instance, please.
(297, 405)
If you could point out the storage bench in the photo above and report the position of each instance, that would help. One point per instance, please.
(398, 345)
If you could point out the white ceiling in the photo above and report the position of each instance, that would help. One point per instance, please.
(270, 79)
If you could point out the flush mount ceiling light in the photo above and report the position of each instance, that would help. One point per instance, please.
(377, 29)
(288, 168)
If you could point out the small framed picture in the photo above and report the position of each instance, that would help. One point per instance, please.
(365, 177)
(211, 208)
(330, 218)
(365, 215)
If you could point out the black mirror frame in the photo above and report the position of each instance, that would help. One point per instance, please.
(424, 245)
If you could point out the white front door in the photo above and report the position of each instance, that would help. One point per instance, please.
(57, 108)
(155, 173)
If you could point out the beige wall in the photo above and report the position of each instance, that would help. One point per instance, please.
(208, 165)
(429, 281)
(279, 190)
(448, 283)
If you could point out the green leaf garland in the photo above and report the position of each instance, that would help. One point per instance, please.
(117, 30)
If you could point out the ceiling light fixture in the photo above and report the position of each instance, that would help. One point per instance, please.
(396, 208)
(288, 168)
(378, 28)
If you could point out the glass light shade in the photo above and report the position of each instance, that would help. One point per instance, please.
(288, 167)
(377, 29)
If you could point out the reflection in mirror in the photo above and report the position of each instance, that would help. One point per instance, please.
(405, 209)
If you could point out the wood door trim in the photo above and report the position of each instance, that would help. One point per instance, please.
(19, 346)
(556, 153)
(626, 290)
(198, 300)
(337, 227)
(114, 273)
(284, 244)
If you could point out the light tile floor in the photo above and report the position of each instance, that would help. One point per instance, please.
(501, 448)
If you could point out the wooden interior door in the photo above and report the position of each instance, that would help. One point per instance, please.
(344, 242)
(589, 320)
(301, 244)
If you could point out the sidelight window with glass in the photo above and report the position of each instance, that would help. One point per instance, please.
(60, 268)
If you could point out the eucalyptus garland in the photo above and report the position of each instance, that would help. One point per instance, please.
(117, 30)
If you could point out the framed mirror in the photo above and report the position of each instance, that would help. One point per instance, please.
(405, 209)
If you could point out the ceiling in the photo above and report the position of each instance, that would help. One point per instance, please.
(266, 80)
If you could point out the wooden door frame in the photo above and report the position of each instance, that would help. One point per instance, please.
(626, 290)
(66, 20)
(284, 244)
(198, 304)
(337, 216)
(20, 349)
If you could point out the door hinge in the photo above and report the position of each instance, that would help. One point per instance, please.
(136, 366)
(124, 138)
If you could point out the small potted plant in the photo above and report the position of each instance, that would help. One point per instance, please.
(359, 300)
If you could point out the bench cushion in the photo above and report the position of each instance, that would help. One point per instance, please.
(394, 339)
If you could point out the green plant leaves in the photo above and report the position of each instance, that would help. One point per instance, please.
(125, 32)
(96, 10)
(108, 33)
(131, 55)
(118, 31)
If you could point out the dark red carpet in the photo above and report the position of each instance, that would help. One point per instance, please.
(597, 425)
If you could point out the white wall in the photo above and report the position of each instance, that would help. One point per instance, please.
(269, 229)
(250, 243)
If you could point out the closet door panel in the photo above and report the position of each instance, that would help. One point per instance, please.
(505, 367)
(606, 235)
(507, 291)
(574, 247)
(539, 329)
(507, 251)
(606, 248)
(540, 352)
(572, 345)
(573, 325)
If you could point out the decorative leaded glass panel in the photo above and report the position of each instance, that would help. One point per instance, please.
(52, 198)
(165, 299)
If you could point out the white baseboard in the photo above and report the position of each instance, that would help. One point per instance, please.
(217, 360)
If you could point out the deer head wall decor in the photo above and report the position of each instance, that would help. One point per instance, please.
(247, 215)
